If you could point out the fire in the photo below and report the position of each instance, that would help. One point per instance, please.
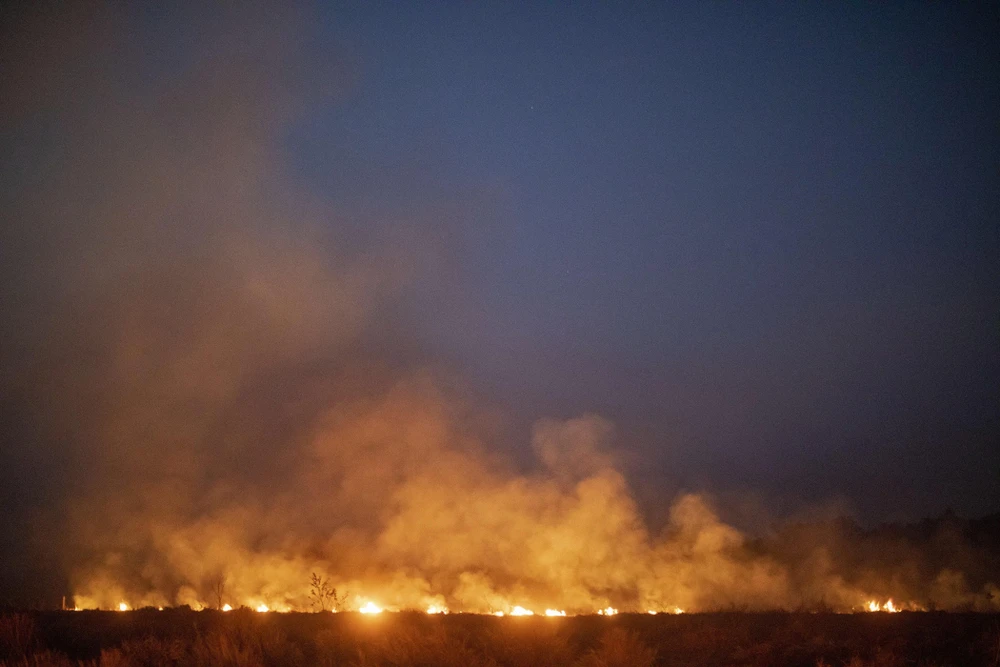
(370, 608)
(607, 611)
(888, 606)
(554, 612)
(122, 606)
(435, 609)
(227, 607)
(521, 611)
(498, 613)
(678, 610)
(263, 608)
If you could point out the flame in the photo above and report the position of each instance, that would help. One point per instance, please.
(888, 606)
(370, 608)
(436, 605)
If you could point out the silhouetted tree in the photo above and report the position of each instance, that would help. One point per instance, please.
(217, 588)
(323, 594)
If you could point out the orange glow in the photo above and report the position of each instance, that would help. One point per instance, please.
(370, 608)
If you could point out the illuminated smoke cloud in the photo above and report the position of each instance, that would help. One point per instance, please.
(225, 385)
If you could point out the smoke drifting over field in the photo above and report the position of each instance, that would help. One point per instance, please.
(222, 390)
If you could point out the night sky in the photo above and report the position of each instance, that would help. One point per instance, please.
(760, 239)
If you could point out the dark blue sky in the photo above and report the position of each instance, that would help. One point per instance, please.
(761, 238)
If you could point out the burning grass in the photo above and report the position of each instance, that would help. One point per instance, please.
(242, 637)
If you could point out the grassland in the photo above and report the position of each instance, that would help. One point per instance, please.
(244, 638)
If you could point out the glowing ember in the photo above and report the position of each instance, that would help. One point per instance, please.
(521, 611)
(122, 606)
(370, 608)
(227, 607)
(263, 608)
(607, 611)
(554, 612)
(434, 609)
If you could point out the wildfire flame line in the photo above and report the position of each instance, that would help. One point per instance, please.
(370, 607)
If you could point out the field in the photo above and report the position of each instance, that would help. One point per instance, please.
(245, 638)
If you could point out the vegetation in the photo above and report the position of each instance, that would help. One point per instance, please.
(323, 595)
(243, 638)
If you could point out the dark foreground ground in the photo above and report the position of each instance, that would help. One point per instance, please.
(245, 638)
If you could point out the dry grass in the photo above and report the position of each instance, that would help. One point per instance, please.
(17, 637)
(210, 639)
(619, 648)
(420, 647)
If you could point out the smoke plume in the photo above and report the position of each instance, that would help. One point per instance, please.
(209, 369)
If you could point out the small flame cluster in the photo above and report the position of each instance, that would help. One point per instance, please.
(887, 606)
(370, 608)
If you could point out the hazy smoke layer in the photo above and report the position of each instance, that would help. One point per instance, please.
(218, 399)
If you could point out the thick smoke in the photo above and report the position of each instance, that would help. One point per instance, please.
(220, 396)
